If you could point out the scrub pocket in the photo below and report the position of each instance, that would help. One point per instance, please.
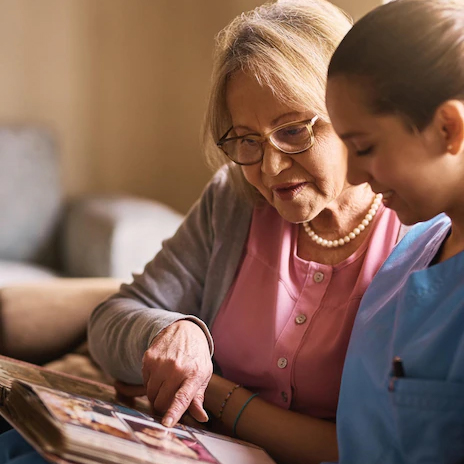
(429, 417)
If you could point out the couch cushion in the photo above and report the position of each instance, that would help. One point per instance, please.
(115, 235)
(40, 322)
(12, 272)
(31, 195)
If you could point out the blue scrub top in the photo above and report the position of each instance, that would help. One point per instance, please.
(414, 311)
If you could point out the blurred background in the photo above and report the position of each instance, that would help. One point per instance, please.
(101, 105)
(122, 85)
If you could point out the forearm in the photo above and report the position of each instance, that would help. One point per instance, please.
(170, 288)
(287, 436)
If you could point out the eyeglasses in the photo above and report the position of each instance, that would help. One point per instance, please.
(290, 138)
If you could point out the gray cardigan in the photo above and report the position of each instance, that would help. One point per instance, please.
(188, 278)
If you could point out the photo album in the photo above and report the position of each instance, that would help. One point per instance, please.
(71, 420)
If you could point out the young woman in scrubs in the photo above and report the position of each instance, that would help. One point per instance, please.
(395, 96)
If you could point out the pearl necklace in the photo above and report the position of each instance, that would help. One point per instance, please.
(352, 235)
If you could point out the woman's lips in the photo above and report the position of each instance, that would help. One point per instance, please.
(287, 192)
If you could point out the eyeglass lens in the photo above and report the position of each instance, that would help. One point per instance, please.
(290, 139)
(293, 138)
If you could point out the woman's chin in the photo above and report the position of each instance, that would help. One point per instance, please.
(409, 217)
(295, 216)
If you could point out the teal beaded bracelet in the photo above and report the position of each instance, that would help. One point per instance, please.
(245, 404)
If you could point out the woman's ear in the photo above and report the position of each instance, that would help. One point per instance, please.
(449, 120)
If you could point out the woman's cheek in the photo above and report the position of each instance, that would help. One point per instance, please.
(249, 175)
(252, 175)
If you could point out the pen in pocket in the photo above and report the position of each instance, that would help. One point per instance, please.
(398, 371)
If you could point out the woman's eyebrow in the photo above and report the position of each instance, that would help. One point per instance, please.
(276, 120)
(350, 135)
(245, 128)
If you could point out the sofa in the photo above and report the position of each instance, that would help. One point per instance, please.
(58, 257)
(43, 235)
(45, 323)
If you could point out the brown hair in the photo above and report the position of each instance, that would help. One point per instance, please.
(409, 55)
(286, 46)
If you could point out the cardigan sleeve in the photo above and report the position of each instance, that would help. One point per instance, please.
(169, 289)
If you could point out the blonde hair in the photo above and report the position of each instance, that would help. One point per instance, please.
(286, 46)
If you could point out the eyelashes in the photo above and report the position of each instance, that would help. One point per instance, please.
(364, 152)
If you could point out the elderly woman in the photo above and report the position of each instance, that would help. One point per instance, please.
(270, 263)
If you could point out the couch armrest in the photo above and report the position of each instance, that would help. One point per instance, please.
(40, 322)
(114, 236)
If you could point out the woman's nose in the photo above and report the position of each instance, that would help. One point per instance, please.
(274, 161)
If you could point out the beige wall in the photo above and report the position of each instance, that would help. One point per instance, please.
(123, 85)
(357, 8)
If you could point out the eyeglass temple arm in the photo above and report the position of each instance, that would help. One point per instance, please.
(219, 142)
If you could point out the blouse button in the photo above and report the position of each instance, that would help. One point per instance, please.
(284, 397)
(282, 363)
(300, 319)
(318, 277)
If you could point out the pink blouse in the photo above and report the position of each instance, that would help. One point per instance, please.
(284, 327)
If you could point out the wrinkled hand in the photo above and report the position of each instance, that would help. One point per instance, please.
(176, 370)
(126, 394)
